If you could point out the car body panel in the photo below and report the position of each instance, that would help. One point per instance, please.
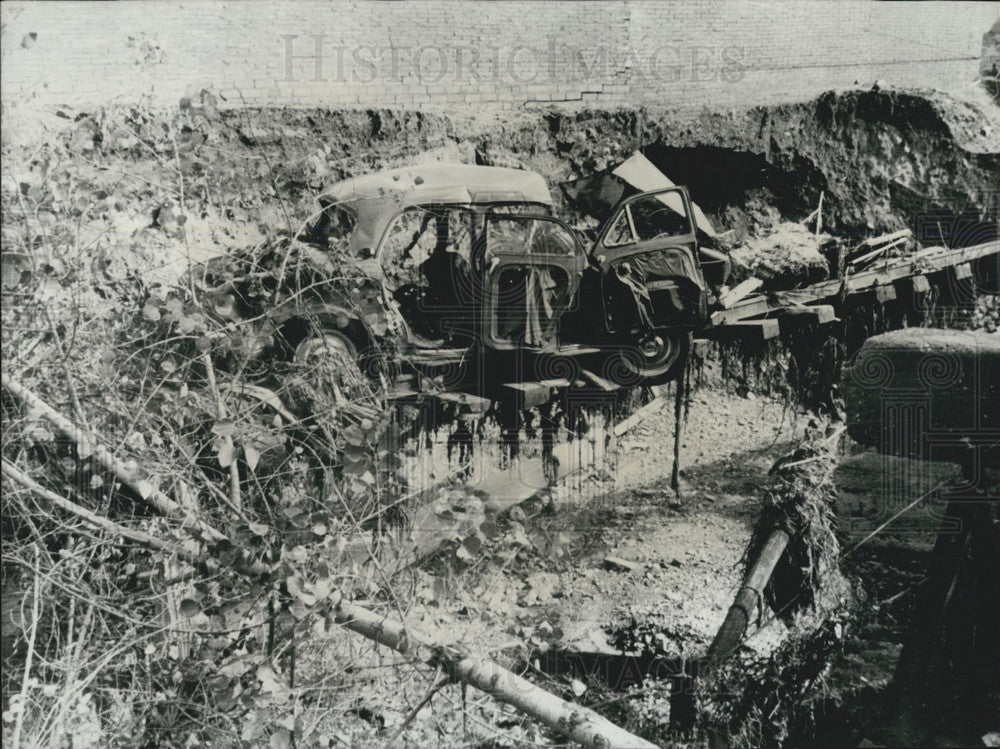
(376, 199)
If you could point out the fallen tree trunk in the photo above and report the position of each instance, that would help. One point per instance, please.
(88, 446)
(94, 520)
(749, 600)
(574, 721)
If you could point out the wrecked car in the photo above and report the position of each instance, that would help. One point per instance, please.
(460, 276)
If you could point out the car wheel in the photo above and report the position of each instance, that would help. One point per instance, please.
(325, 369)
(324, 345)
(653, 359)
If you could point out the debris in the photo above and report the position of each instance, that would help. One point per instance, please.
(622, 565)
(741, 290)
(881, 244)
(788, 256)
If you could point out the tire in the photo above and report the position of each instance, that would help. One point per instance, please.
(321, 343)
(325, 370)
(654, 360)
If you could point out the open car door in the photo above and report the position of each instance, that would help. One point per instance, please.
(648, 252)
(532, 269)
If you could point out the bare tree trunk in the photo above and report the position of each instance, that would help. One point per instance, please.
(574, 721)
(89, 446)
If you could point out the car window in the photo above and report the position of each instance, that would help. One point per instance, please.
(416, 234)
(661, 214)
(528, 300)
(334, 226)
(620, 232)
(520, 235)
(656, 215)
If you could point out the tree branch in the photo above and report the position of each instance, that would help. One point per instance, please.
(93, 519)
(88, 445)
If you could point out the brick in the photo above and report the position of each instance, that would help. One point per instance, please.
(791, 50)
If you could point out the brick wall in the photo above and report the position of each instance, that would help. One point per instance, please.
(466, 54)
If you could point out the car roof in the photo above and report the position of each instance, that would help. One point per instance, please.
(462, 184)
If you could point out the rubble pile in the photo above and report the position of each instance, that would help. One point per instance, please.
(787, 256)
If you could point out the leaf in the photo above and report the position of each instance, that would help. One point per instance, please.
(145, 489)
(224, 428)
(354, 436)
(252, 455)
(281, 739)
(189, 608)
(96, 482)
(319, 529)
(227, 454)
(258, 529)
(473, 544)
(578, 687)
(224, 305)
(84, 449)
(151, 312)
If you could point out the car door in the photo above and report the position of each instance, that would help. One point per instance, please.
(647, 255)
(532, 270)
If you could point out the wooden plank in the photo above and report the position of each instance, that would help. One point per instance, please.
(558, 382)
(476, 403)
(921, 263)
(603, 384)
(529, 394)
(574, 349)
(821, 314)
(883, 239)
(885, 293)
(749, 330)
(740, 291)
(654, 405)
(753, 306)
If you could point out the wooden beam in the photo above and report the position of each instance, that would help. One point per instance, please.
(528, 394)
(89, 446)
(749, 601)
(926, 261)
(821, 314)
(885, 293)
(605, 385)
(740, 291)
(574, 721)
(476, 403)
(750, 331)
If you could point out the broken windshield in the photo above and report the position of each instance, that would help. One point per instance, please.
(648, 217)
(422, 237)
(334, 227)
